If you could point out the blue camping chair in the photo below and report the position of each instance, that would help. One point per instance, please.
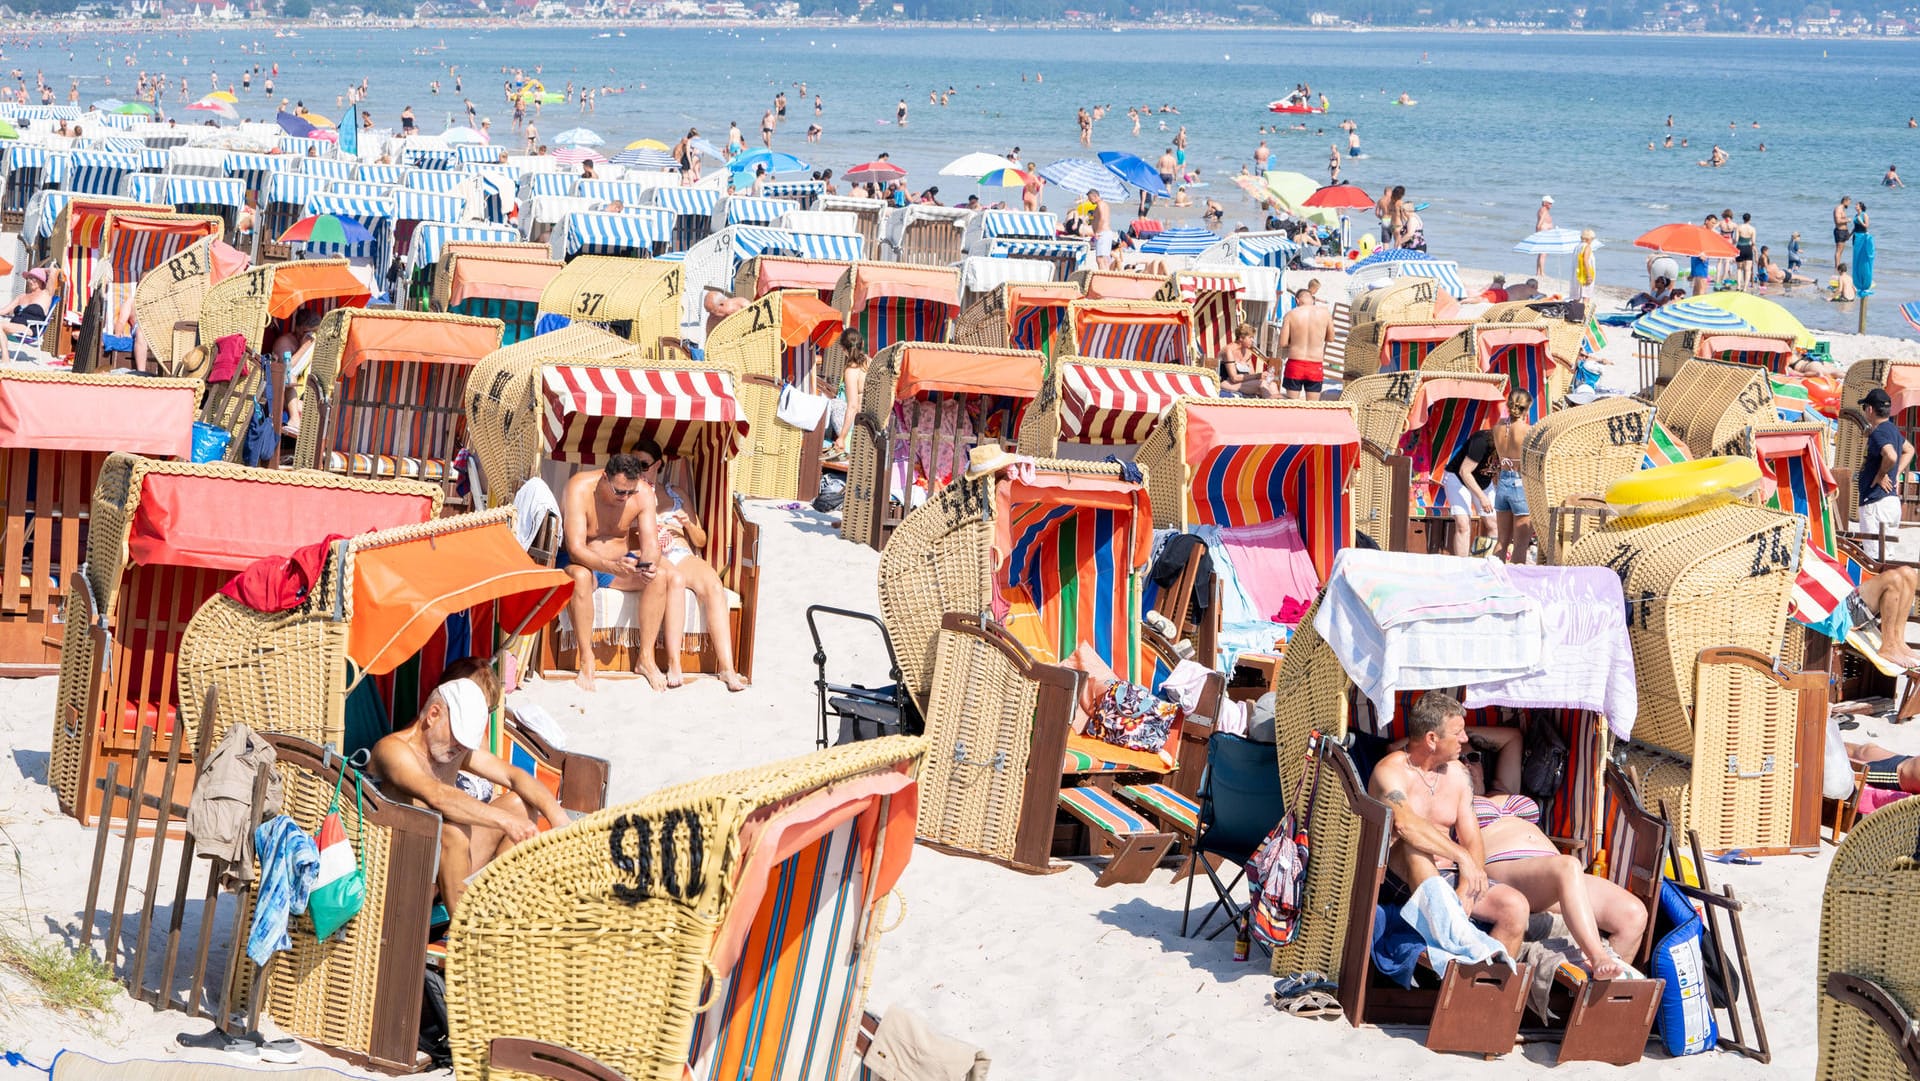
(1240, 803)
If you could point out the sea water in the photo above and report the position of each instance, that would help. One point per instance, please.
(1501, 119)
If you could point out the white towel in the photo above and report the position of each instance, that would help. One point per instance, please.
(531, 505)
(1435, 912)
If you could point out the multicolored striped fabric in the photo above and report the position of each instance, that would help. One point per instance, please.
(1103, 406)
(1527, 365)
(785, 1010)
(1796, 470)
(1157, 339)
(1820, 592)
(1074, 565)
(1247, 485)
(1104, 812)
(140, 244)
(1033, 326)
(405, 409)
(1403, 348)
(1164, 803)
(1790, 398)
(1450, 423)
(1663, 448)
(1215, 299)
(890, 320)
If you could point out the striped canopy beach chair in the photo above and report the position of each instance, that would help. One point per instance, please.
(1413, 423)
(1016, 315)
(162, 538)
(763, 274)
(77, 234)
(1405, 345)
(924, 409)
(1148, 331)
(1521, 352)
(777, 342)
(867, 217)
(636, 299)
(131, 246)
(728, 935)
(1709, 405)
(1770, 351)
(1868, 991)
(1213, 295)
(258, 303)
(891, 303)
(1119, 284)
(494, 281)
(1094, 408)
(1058, 556)
(422, 241)
(926, 234)
(1400, 300)
(385, 393)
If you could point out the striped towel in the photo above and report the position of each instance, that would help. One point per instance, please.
(1820, 594)
(1593, 340)
(1790, 399)
(1663, 448)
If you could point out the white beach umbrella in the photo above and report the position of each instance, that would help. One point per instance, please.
(975, 165)
(1553, 242)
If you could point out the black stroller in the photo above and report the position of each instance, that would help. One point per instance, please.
(863, 712)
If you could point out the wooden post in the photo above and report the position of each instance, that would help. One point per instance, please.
(136, 981)
(202, 745)
(100, 835)
(131, 834)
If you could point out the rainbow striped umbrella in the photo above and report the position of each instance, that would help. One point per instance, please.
(326, 229)
(1007, 178)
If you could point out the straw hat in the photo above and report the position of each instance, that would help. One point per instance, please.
(988, 458)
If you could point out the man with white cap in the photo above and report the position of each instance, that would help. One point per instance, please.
(423, 764)
(1542, 221)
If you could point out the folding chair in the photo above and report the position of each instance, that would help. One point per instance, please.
(1240, 803)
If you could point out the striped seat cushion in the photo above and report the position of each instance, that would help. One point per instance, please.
(388, 465)
(1104, 812)
(1165, 804)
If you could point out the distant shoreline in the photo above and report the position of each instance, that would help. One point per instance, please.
(38, 26)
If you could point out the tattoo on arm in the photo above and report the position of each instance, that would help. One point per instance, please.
(1396, 797)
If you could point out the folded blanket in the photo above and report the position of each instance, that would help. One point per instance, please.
(1586, 659)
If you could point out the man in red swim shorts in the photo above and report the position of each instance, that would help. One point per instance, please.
(1303, 342)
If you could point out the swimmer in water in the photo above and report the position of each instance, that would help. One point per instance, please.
(1892, 179)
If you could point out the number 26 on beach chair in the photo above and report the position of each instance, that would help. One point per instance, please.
(1056, 559)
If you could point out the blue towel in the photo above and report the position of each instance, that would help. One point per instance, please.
(289, 864)
(1396, 946)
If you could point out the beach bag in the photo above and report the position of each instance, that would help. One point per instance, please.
(1128, 715)
(341, 888)
(1686, 1021)
(210, 443)
(833, 492)
(1545, 764)
(800, 409)
(1277, 873)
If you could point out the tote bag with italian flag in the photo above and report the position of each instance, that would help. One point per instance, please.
(341, 887)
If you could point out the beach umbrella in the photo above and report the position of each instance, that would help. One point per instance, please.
(1180, 240)
(1763, 315)
(645, 159)
(976, 164)
(224, 95)
(135, 108)
(107, 105)
(218, 108)
(1910, 311)
(293, 125)
(1340, 197)
(1079, 176)
(1552, 242)
(647, 144)
(326, 229)
(578, 137)
(317, 120)
(1390, 255)
(1291, 189)
(701, 146)
(1688, 314)
(574, 155)
(874, 172)
(1006, 178)
(456, 136)
(1134, 170)
(1685, 238)
(7, 130)
(773, 161)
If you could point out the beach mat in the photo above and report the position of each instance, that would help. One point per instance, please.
(75, 1066)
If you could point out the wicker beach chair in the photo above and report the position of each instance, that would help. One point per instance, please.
(1901, 380)
(385, 393)
(167, 304)
(1574, 454)
(763, 274)
(776, 342)
(74, 248)
(1093, 408)
(1213, 294)
(926, 234)
(1404, 345)
(1523, 353)
(1118, 284)
(1709, 405)
(925, 407)
(537, 409)
(728, 936)
(162, 538)
(494, 281)
(56, 431)
(868, 215)
(1145, 331)
(1867, 980)
(636, 299)
(258, 302)
(391, 610)
(1063, 550)
(891, 303)
(1723, 739)
(1016, 315)
(1399, 300)
(1412, 423)
(1772, 352)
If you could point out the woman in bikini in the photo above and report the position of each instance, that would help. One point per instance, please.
(1243, 372)
(846, 404)
(681, 536)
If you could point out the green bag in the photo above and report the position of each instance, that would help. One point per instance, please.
(341, 888)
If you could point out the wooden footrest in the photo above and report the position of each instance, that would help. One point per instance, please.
(1610, 1020)
(1134, 847)
(1173, 810)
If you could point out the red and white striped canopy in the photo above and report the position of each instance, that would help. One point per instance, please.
(1103, 406)
(590, 412)
(1192, 285)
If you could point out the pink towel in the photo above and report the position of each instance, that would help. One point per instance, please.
(1273, 566)
(229, 359)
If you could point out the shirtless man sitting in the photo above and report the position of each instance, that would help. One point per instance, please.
(718, 304)
(612, 542)
(1303, 342)
(1435, 831)
(493, 808)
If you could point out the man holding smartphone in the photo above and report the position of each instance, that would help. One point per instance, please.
(611, 542)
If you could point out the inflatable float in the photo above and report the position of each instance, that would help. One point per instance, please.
(1286, 107)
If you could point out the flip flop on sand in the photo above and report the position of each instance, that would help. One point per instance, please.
(1311, 1004)
(1300, 983)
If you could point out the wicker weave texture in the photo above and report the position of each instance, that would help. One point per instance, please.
(1580, 451)
(939, 560)
(1865, 375)
(1401, 300)
(503, 400)
(482, 251)
(1719, 577)
(980, 715)
(642, 293)
(1327, 897)
(1742, 785)
(620, 962)
(1710, 403)
(240, 304)
(1866, 929)
(172, 293)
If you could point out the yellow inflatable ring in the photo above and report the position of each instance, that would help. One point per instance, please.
(1685, 487)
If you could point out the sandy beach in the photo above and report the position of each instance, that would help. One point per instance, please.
(1054, 978)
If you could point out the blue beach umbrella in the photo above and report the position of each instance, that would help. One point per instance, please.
(1911, 312)
(1689, 314)
(1134, 170)
(1863, 264)
(772, 160)
(1390, 255)
(1552, 242)
(701, 146)
(1079, 176)
(646, 159)
(294, 126)
(578, 137)
(1180, 240)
